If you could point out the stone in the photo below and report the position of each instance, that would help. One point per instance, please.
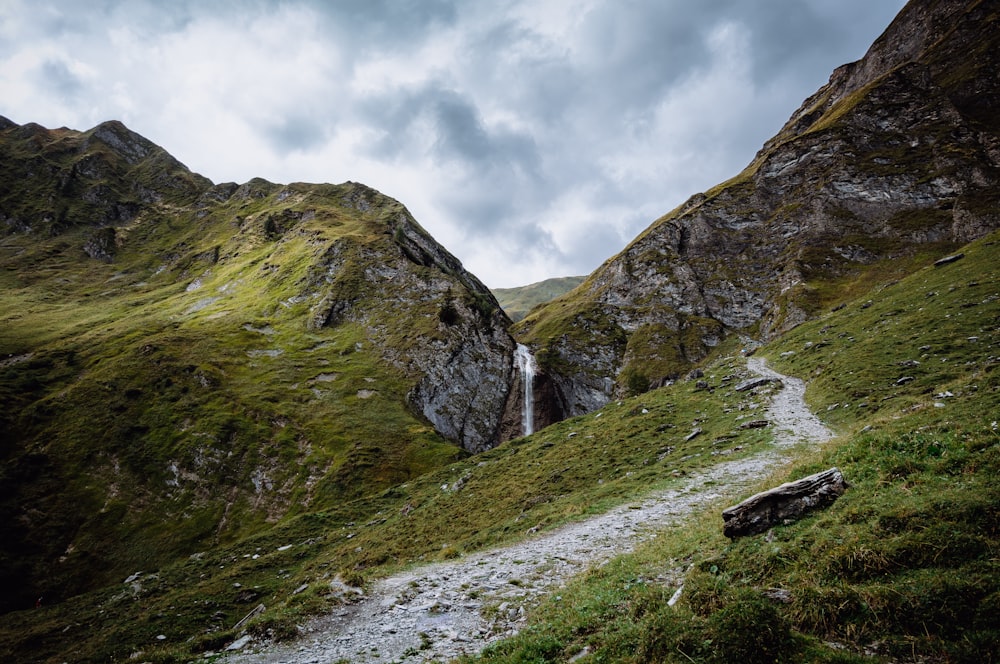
(240, 643)
(780, 595)
(754, 382)
(783, 504)
(948, 259)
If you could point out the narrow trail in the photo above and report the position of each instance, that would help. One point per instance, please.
(440, 611)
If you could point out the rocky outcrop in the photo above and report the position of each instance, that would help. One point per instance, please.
(899, 151)
(425, 314)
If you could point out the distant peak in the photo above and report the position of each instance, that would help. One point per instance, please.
(123, 141)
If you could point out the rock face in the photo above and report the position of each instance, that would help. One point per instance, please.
(462, 360)
(899, 153)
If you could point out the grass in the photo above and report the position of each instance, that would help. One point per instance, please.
(570, 470)
(193, 392)
(190, 417)
(914, 526)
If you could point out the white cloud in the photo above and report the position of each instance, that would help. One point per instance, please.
(533, 139)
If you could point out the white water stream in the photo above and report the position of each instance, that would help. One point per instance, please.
(526, 365)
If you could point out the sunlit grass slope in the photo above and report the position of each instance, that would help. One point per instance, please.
(517, 302)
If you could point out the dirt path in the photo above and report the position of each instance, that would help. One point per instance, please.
(437, 612)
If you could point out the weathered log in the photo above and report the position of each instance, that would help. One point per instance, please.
(783, 504)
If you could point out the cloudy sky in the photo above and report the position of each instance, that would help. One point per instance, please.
(533, 138)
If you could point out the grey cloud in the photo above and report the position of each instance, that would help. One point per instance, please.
(56, 76)
(297, 133)
(583, 108)
(383, 25)
(790, 37)
(63, 18)
(460, 135)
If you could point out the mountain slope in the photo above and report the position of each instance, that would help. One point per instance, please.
(517, 302)
(895, 160)
(185, 363)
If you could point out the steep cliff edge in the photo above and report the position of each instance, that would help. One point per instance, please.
(895, 160)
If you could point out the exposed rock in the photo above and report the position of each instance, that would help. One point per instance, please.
(948, 259)
(780, 595)
(751, 383)
(783, 504)
(102, 244)
(694, 434)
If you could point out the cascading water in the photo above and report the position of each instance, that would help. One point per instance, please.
(526, 365)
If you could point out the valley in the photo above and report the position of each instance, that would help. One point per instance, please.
(442, 611)
(267, 422)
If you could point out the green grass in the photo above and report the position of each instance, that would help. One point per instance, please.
(568, 471)
(223, 435)
(187, 395)
(915, 525)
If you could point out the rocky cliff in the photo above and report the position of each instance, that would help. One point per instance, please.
(896, 159)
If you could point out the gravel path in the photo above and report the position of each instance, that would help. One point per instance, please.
(793, 421)
(437, 612)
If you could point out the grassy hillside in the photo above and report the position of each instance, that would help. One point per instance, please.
(904, 565)
(162, 404)
(567, 471)
(517, 302)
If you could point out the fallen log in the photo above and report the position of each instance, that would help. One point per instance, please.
(783, 504)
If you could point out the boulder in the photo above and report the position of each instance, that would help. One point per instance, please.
(783, 504)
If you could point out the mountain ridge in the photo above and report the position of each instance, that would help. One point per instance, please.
(177, 347)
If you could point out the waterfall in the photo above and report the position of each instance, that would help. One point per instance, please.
(526, 365)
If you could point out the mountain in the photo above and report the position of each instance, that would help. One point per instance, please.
(517, 302)
(184, 363)
(228, 408)
(893, 161)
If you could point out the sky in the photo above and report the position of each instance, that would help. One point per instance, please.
(533, 138)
